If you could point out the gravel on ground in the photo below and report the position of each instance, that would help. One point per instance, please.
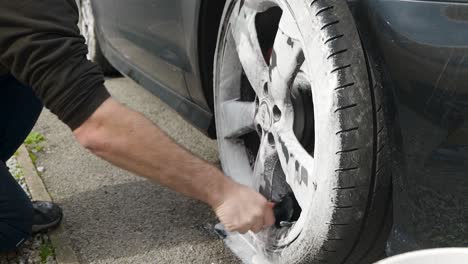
(38, 249)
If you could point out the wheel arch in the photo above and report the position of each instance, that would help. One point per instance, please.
(209, 20)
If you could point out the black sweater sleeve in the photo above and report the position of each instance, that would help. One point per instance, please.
(41, 45)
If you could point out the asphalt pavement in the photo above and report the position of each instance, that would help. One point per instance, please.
(113, 216)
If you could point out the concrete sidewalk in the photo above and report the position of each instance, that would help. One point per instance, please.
(114, 217)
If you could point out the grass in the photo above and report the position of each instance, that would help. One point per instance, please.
(34, 138)
(34, 143)
(46, 250)
(18, 172)
(33, 157)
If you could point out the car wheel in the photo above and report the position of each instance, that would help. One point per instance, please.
(88, 30)
(297, 113)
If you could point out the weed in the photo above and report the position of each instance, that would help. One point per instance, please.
(34, 144)
(33, 157)
(34, 138)
(46, 250)
(18, 172)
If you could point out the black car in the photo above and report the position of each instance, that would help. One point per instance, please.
(356, 109)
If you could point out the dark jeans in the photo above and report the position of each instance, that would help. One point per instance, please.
(19, 110)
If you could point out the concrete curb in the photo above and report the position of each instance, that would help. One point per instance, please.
(59, 237)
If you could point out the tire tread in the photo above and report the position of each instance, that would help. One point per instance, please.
(362, 194)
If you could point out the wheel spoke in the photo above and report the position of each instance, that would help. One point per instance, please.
(286, 60)
(248, 48)
(241, 172)
(257, 6)
(264, 166)
(288, 25)
(297, 165)
(239, 118)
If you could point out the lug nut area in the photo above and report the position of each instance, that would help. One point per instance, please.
(271, 139)
(276, 113)
(259, 129)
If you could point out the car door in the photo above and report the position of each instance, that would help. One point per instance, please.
(150, 34)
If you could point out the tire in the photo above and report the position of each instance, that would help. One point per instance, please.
(326, 145)
(88, 29)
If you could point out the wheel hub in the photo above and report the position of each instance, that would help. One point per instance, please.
(264, 116)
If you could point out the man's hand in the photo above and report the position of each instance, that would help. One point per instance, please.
(243, 209)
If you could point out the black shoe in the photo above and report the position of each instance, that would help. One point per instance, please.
(46, 216)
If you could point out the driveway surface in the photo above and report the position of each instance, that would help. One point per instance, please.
(115, 217)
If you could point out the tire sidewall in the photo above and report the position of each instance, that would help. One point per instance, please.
(325, 177)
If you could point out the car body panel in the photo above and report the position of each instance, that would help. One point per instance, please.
(133, 38)
(154, 38)
(424, 46)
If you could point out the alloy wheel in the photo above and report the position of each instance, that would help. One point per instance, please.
(265, 111)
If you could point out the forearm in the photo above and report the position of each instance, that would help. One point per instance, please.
(129, 140)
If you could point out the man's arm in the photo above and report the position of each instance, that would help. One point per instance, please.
(41, 46)
(129, 140)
